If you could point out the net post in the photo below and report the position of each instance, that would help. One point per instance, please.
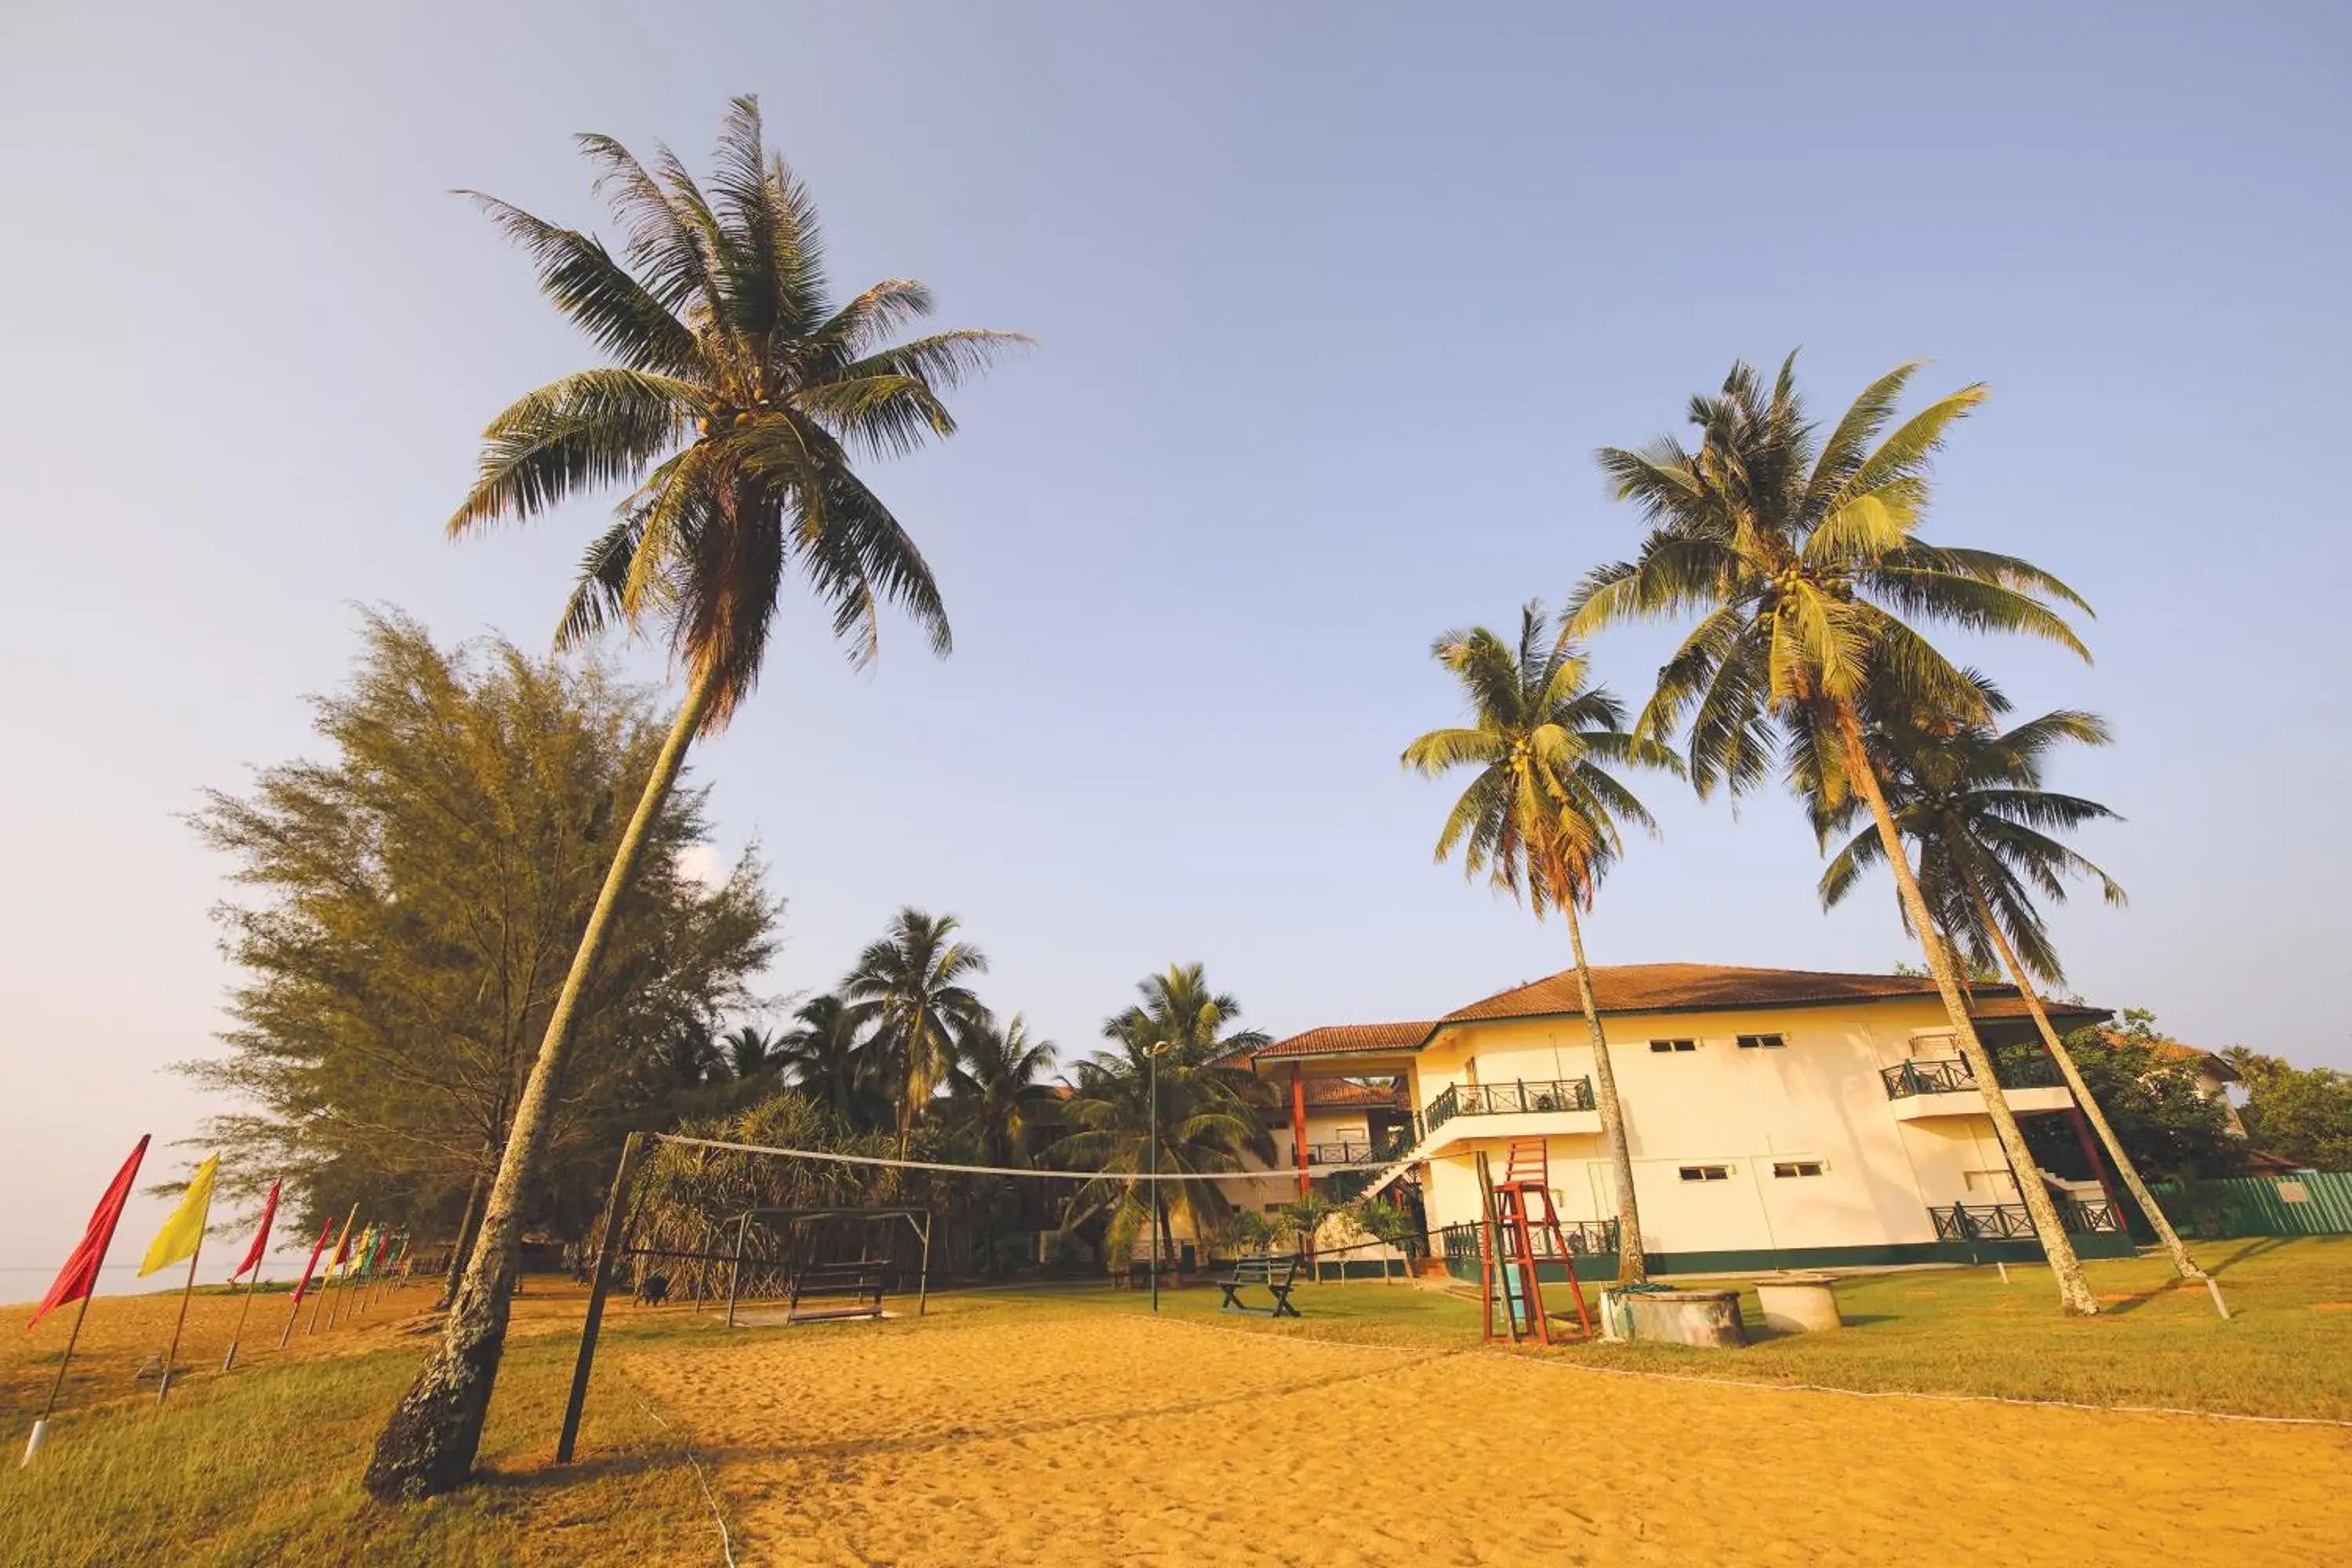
(923, 1288)
(735, 1271)
(615, 1237)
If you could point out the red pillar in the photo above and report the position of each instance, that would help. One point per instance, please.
(1299, 1124)
(2099, 1167)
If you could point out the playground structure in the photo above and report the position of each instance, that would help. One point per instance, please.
(1517, 1211)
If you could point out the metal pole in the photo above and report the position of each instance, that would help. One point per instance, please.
(735, 1271)
(923, 1291)
(1154, 1070)
(615, 1237)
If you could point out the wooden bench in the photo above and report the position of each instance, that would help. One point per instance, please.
(1276, 1273)
(852, 1289)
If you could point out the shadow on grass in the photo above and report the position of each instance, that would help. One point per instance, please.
(2253, 1249)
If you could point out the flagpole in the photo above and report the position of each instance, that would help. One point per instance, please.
(41, 1423)
(164, 1386)
(326, 1283)
(294, 1310)
(335, 1309)
(252, 1285)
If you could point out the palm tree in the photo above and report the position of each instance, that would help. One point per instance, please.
(737, 397)
(1203, 1114)
(1971, 798)
(1801, 554)
(912, 982)
(1000, 1088)
(1541, 816)
(1180, 1011)
(689, 1057)
(750, 1050)
(824, 1052)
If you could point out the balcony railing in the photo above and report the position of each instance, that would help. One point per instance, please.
(1950, 1075)
(2014, 1222)
(1347, 1152)
(1585, 1238)
(1504, 1099)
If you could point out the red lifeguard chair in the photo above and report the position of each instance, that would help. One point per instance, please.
(1518, 1209)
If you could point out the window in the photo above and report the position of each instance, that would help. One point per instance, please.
(1762, 1043)
(1706, 1172)
(1664, 1046)
(1796, 1167)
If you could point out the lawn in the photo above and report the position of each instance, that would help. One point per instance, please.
(2286, 1351)
(262, 1465)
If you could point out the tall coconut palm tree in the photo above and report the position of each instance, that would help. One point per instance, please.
(1540, 817)
(1000, 1088)
(738, 398)
(1195, 1023)
(1203, 1117)
(1970, 797)
(824, 1054)
(1801, 555)
(912, 984)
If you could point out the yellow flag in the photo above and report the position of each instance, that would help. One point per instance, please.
(181, 1234)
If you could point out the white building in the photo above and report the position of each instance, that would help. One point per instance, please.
(1775, 1118)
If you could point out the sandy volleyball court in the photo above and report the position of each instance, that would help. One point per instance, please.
(1128, 1440)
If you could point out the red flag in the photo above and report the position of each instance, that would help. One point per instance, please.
(317, 1247)
(261, 1238)
(79, 1278)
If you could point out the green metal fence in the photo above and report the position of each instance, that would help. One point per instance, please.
(2310, 1203)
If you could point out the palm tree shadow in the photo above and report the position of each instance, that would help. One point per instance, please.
(2254, 1248)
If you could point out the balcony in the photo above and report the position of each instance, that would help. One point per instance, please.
(1944, 1085)
(1517, 1098)
(1378, 1152)
(2014, 1222)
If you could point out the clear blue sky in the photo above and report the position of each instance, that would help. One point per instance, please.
(1333, 305)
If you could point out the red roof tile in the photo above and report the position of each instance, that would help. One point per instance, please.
(1678, 987)
(1341, 1039)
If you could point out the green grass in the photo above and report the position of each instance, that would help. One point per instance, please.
(2288, 1350)
(264, 1466)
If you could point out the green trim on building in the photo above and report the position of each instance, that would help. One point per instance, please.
(1601, 1266)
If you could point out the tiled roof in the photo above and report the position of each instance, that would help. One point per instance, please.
(2191, 1056)
(1340, 1039)
(1677, 988)
(2064, 1014)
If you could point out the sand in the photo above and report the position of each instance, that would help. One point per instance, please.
(1128, 1440)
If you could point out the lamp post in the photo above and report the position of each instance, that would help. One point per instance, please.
(1151, 1075)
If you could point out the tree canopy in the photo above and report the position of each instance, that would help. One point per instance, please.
(410, 901)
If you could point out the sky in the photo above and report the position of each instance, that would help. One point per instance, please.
(1332, 305)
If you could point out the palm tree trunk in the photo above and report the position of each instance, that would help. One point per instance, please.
(2073, 1292)
(1633, 1264)
(457, 1249)
(2182, 1263)
(428, 1444)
